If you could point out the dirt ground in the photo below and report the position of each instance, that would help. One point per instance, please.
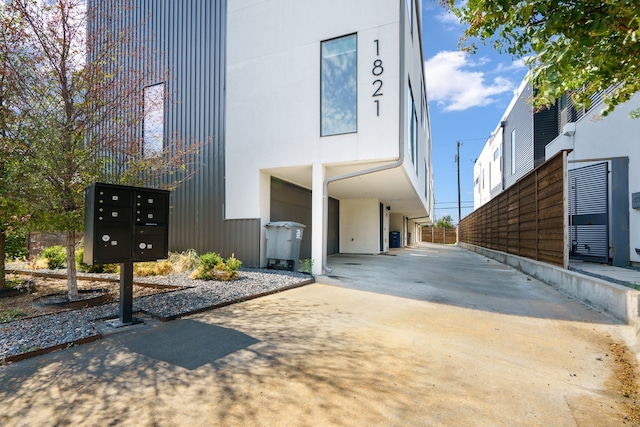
(20, 306)
(626, 367)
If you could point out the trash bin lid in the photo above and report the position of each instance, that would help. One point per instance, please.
(286, 224)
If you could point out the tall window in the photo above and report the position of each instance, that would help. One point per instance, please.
(490, 187)
(153, 130)
(412, 127)
(513, 152)
(424, 108)
(410, 11)
(339, 101)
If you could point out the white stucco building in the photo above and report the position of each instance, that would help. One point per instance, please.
(309, 111)
(614, 143)
(603, 170)
(327, 121)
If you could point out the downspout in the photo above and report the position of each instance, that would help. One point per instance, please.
(395, 164)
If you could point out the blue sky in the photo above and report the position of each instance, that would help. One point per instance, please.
(467, 96)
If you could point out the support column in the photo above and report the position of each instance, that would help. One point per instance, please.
(126, 293)
(317, 201)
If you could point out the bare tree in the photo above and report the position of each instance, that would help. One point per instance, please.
(85, 113)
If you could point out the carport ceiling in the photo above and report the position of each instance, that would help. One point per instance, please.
(391, 187)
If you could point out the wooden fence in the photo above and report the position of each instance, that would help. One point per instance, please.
(439, 235)
(529, 219)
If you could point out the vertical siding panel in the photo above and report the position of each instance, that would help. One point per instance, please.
(188, 38)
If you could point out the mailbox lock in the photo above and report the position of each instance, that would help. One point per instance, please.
(106, 238)
(142, 245)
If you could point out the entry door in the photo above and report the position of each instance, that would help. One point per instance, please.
(589, 213)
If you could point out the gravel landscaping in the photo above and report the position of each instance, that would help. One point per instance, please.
(40, 334)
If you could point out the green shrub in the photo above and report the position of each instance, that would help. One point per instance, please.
(15, 246)
(213, 267)
(232, 263)
(55, 256)
(305, 266)
(95, 268)
(11, 314)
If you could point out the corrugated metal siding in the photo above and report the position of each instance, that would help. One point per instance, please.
(589, 212)
(570, 114)
(290, 202)
(189, 38)
(520, 119)
(545, 125)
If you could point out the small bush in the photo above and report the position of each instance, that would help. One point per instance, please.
(184, 261)
(305, 266)
(55, 256)
(154, 268)
(96, 268)
(233, 264)
(15, 246)
(11, 314)
(213, 267)
(12, 283)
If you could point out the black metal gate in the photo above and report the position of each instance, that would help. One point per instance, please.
(589, 213)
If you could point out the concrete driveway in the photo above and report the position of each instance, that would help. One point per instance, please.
(431, 335)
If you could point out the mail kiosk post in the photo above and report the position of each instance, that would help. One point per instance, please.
(125, 224)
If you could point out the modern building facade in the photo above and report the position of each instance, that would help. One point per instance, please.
(602, 179)
(314, 112)
(515, 147)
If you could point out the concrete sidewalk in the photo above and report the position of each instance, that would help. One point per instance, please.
(434, 335)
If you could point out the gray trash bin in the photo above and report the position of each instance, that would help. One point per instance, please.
(283, 244)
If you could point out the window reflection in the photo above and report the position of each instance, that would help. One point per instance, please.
(338, 86)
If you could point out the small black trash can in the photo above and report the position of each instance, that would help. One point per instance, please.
(394, 239)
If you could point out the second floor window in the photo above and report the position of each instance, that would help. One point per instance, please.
(153, 128)
(339, 106)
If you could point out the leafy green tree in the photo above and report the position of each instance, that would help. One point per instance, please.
(82, 113)
(12, 210)
(579, 47)
(445, 222)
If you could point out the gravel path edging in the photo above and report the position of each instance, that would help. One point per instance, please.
(35, 336)
(231, 302)
(42, 351)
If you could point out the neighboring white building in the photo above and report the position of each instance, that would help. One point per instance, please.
(603, 176)
(487, 169)
(326, 105)
(613, 142)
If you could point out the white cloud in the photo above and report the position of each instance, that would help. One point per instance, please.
(456, 83)
(449, 20)
(517, 65)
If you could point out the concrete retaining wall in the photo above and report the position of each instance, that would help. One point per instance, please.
(619, 301)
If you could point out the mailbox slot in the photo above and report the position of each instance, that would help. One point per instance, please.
(113, 196)
(113, 245)
(114, 214)
(149, 243)
(148, 215)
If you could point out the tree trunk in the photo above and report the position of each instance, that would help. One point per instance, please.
(3, 281)
(72, 281)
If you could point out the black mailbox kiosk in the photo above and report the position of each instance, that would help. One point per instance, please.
(124, 225)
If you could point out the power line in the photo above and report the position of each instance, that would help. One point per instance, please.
(464, 201)
(475, 139)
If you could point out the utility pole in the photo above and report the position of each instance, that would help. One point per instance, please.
(458, 162)
(459, 209)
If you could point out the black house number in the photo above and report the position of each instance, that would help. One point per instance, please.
(377, 70)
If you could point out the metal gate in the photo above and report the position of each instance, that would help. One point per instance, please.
(589, 213)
